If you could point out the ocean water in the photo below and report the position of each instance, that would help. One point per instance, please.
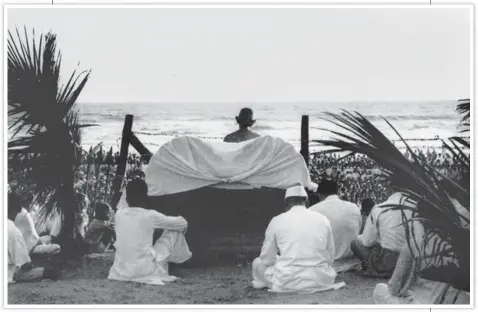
(158, 123)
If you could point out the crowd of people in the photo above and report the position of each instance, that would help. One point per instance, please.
(32, 238)
(300, 248)
(359, 177)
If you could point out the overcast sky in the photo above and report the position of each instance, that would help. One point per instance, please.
(261, 55)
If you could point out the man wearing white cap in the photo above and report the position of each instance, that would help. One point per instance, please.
(298, 250)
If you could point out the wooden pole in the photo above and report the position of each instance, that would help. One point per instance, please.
(304, 139)
(123, 159)
(142, 150)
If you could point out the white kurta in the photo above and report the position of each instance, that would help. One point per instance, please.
(17, 250)
(136, 259)
(52, 224)
(345, 219)
(386, 227)
(298, 252)
(24, 222)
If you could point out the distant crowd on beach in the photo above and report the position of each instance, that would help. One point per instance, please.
(359, 177)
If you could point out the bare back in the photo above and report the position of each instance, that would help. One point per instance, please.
(240, 136)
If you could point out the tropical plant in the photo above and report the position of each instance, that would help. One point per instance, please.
(46, 133)
(421, 183)
(463, 108)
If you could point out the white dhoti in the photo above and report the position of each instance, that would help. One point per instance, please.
(172, 247)
(45, 249)
(152, 267)
(266, 277)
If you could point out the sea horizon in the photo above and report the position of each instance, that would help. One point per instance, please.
(158, 122)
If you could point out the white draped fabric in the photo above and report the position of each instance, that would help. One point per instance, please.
(185, 163)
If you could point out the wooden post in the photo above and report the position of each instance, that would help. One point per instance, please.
(123, 159)
(304, 139)
(142, 150)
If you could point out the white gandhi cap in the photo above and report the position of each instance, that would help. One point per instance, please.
(296, 191)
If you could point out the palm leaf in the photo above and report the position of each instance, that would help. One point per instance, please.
(463, 108)
(46, 140)
(417, 179)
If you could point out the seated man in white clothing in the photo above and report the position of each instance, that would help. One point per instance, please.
(48, 228)
(345, 217)
(24, 222)
(136, 258)
(20, 268)
(383, 237)
(298, 250)
(436, 280)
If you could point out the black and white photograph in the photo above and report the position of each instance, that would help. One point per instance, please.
(238, 155)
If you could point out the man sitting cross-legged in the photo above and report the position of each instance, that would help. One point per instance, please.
(383, 237)
(425, 273)
(20, 267)
(344, 217)
(24, 222)
(298, 250)
(136, 258)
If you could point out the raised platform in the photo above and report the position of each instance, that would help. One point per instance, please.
(223, 221)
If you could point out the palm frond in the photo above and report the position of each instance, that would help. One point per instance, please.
(463, 108)
(416, 179)
(46, 140)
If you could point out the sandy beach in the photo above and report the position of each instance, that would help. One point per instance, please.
(86, 282)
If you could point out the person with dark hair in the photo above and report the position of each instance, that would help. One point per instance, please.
(367, 205)
(245, 120)
(100, 234)
(298, 250)
(20, 267)
(136, 258)
(344, 217)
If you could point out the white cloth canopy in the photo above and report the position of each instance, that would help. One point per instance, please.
(185, 163)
